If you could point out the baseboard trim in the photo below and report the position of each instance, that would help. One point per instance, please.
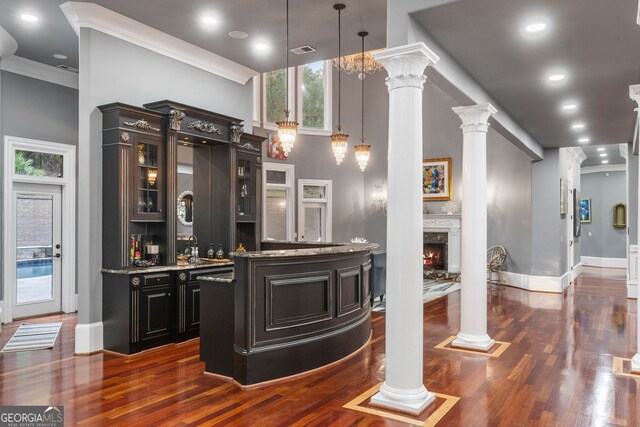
(89, 338)
(548, 284)
(591, 261)
(632, 290)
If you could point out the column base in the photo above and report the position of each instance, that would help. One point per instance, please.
(635, 364)
(473, 342)
(411, 401)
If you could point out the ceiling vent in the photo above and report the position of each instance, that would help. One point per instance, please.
(70, 69)
(303, 49)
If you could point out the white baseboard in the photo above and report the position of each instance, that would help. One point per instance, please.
(604, 262)
(632, 290)
(89, 338)
(577, 271)
(538, 283)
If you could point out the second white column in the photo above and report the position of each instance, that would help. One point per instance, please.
(473, 293)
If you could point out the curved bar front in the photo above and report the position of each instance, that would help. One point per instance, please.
(285, 312)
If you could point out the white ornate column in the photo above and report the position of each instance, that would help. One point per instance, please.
(403, 388)
(473, 288)
(634, 93)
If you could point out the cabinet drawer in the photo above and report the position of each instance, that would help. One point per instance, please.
(193, 274)
(156, 279)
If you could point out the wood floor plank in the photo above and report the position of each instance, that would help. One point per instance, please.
(556, 372)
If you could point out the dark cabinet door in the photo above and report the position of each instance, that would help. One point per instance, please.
(148, 173)
(155, 318)
(193, 306)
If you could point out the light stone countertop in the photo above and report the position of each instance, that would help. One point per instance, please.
(337, 248)
(165, 268)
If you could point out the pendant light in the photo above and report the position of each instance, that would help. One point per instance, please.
(339, 139)
(287, 129)
(362, 149)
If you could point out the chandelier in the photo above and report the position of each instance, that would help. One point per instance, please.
(357, 62)
(339, 139)
(287, 129)
(362, 149)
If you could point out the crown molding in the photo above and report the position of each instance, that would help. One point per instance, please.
(8, 44)
(577, 154)
(37, 70)
(624, 151)
(90, 15)
(602, 168)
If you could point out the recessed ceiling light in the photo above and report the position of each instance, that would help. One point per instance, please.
(556, 77)
(238, 35)
(570, 106)
(601, 149)
(584, 140)
(577, 126)
(209, 20)
(60, 56)
(535, 27)
(603, 154)
(261, 46)
(604, 162)
(29, 18)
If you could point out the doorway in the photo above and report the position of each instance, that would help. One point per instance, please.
(38, 228)
(38, 251)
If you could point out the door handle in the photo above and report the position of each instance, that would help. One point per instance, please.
(57, 255)
(58, 246)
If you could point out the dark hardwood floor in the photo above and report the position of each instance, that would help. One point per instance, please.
(557, 371)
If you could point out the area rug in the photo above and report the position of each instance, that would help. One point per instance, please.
(431, 289)
(33, 336)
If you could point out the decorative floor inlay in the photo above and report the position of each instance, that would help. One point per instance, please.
(622, 367)
(428, 418)
(496, 351)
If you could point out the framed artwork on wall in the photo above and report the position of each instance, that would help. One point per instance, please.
(585, 210)
(436, 179)
(274, 149)
(576, 213)
(564, 203)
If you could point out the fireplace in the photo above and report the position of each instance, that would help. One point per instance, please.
(435, 250)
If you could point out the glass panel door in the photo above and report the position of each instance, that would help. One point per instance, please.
(313, 222)
(38, 252)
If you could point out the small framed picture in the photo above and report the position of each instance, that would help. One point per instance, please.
(585, 210)
(436, 179)
(275, 150)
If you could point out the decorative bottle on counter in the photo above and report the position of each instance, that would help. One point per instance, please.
(211, 253)
(220, 252)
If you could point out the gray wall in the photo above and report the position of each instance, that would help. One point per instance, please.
(632, 187)
(114, 70)
(509, 217)
(35, 109)
(313, 158)
(547, 234)
(600, 238)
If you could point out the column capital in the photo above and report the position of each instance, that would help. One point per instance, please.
(475, 117)
(634, 94)
(406, 64)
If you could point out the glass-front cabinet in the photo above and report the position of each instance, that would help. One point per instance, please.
(149, 173)
(246, 188)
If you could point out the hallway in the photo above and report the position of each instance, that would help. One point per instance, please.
(557, 371)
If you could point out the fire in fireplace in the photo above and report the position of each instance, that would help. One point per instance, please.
(434, 253)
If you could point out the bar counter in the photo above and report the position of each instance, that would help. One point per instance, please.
(284, 311)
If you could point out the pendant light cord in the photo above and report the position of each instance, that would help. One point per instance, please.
(340, 66)
(362, 71)
(286, 70)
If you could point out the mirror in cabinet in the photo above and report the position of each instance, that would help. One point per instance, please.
(185, 200)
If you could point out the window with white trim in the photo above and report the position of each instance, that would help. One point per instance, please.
(278, 202)
(309, 88)
(314, 90)
(314, 210)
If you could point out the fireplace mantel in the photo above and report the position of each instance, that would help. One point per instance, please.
(450, 224)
